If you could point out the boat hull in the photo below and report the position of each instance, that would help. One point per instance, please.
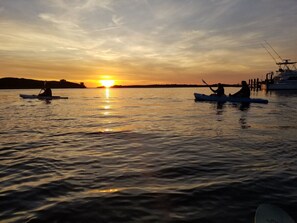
(27, 96)
(281, 86)
(203, 97)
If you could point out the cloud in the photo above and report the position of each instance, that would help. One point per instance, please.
(147, 39)
(63, 24)
(81, 5)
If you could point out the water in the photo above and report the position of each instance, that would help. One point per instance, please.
(145, 155)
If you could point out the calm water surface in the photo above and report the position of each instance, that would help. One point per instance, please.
(145, 155)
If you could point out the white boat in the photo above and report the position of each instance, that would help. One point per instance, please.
(285, 78)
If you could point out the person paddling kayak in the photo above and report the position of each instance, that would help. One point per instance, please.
(219, 92)
(244, 92)
(47, 92)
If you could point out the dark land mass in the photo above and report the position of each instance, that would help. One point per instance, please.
(22, 83)
(170, 86)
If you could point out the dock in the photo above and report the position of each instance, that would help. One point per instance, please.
(255, 84)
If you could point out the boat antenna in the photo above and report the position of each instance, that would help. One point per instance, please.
(268, 52)
(274, 50)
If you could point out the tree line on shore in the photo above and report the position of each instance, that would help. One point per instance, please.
(23, 83)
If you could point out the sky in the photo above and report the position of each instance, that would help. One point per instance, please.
(145, 41)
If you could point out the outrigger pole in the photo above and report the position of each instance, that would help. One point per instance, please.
(274, 50)
(269, 52)
(284, 62)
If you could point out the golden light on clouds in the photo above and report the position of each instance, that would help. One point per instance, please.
(176, 42)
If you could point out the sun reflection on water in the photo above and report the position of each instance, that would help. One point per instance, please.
(105, 191)
(107, 95)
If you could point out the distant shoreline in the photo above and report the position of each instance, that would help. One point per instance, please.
(170, 86)
(23, 83)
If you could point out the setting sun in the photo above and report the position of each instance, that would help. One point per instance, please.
(107, 83)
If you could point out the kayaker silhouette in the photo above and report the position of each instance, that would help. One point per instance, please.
(244, 92)
(47, 92)
(219, 92)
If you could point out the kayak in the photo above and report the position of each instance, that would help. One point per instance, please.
(203, 97)
(33, 96)
(271, 213)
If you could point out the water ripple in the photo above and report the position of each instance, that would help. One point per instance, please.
(144, 155)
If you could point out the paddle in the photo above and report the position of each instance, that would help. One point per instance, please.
(207, 85)
(44, 84)
(205, 82)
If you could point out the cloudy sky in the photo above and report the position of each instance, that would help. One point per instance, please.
(145, 41)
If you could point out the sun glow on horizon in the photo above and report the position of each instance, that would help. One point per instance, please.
(107, 83)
